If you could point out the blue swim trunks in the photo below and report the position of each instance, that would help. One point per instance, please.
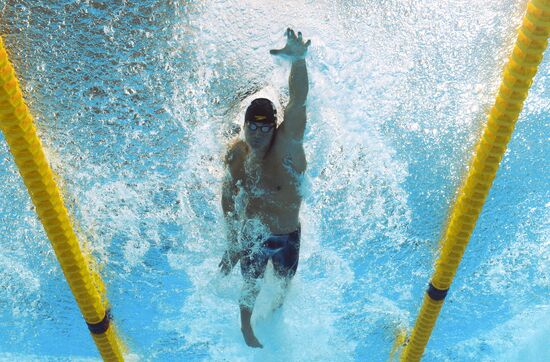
(283, 249)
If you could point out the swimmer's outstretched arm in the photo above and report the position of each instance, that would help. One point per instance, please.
(298, 83)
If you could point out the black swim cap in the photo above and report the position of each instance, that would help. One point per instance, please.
(261, 110)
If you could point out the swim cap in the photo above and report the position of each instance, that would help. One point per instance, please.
(261, 110)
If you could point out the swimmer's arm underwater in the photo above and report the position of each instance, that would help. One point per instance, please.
(232, 253)
(229, 190)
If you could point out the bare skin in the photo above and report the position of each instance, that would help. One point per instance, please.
(266, 171)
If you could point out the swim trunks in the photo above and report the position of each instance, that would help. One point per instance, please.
(283, 249)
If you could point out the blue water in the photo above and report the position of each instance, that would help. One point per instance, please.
(134, 104)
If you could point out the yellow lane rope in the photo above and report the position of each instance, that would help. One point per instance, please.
(528, 51)
(20, 133)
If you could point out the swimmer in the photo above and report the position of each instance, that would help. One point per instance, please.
(261, 195)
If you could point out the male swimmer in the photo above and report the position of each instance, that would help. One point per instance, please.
(261, 195)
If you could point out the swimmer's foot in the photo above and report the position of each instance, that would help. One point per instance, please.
(250, 338)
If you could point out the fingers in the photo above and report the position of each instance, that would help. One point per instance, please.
(290, 34)
(307, 44)
(275, 51)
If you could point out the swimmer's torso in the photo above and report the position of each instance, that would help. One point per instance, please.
(269, 190)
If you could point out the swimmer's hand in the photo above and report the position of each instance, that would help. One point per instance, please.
(229, 259)
(295, 47)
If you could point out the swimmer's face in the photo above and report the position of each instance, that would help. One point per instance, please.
(258, 135)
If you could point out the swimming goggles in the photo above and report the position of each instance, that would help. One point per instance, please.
(264, 128)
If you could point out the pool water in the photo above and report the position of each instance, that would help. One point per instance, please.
(135, 103)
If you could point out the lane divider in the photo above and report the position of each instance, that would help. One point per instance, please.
(517, 79)
(20, 133)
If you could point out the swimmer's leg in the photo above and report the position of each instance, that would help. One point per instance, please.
(285, 264)
(280, 298)
(252, 268)
(249, 293)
